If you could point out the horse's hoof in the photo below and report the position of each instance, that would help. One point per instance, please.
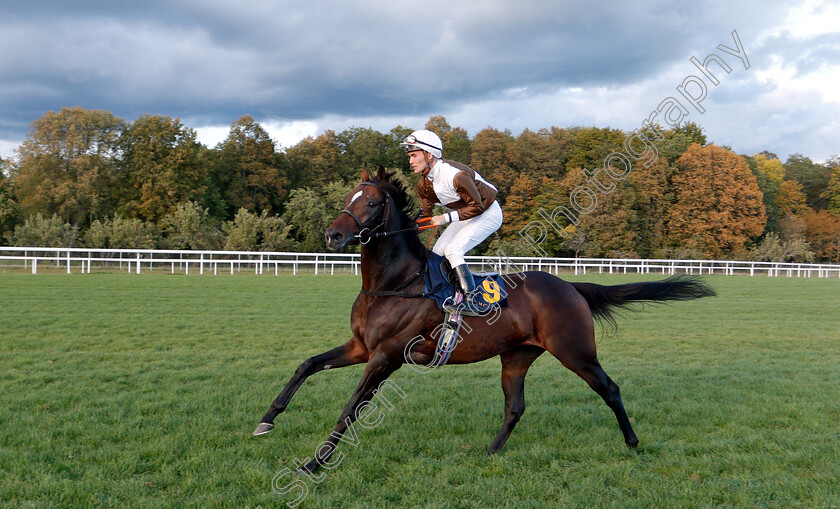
(263, 428)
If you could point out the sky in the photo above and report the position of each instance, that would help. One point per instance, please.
(300, 68)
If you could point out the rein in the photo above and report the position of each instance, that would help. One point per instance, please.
(366, 233)
(395, 292)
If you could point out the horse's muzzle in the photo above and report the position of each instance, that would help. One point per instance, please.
(337, 240)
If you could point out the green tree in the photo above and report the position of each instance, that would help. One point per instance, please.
(66, 165)
(653, 199)
(769, 175)
(314, 162)
(360, 146)
(9, 210)
(251, 232)
(519, 207)
(162, 167)
(539, 154)
(189, 226)
(811, 176)
(832, 193)
(396, 155)
(40, 231)
(591, 145)
(307, 215)
(456, 141)
(121, 233)
(611, 228)
(772, 249)
(675, 141)
(247, 171)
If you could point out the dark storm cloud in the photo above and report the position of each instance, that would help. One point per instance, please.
(215, 61)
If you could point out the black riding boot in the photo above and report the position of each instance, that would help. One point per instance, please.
(464, 306)
(465, 278)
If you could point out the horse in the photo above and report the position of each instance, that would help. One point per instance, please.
(543, 313)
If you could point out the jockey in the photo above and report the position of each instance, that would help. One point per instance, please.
(473, 210)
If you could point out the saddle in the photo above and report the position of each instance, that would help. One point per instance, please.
(441, 286)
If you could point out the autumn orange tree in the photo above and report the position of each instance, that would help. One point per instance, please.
(822, 231)
(718, 205)
(492, 157)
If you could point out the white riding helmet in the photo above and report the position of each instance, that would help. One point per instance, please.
(424, 140)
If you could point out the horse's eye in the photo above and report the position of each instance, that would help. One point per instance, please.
(371, 204)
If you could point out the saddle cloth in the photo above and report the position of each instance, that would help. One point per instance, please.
(490, 286)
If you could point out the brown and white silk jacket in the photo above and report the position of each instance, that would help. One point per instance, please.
(457, 187)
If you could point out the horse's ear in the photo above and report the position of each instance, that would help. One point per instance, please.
(380, 173)
(365, 176)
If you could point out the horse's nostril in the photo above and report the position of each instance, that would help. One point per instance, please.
(338, 236)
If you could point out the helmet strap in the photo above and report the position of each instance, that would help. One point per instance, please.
(428, 158)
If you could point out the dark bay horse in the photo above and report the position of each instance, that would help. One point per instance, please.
(544, 313)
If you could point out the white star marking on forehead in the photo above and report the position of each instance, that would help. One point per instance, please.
(359, 193)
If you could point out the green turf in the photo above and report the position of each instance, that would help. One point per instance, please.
(122, 390)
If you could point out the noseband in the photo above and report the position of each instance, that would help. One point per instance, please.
(365, 232)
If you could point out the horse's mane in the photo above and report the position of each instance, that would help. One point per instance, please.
(406, 208)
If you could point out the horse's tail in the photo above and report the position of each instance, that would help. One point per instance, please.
(603, 299)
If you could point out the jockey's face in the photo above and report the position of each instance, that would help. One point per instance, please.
(420, 160)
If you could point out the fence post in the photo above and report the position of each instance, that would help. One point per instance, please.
(34, 265)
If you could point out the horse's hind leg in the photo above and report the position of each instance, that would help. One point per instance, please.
(515, 364)
(352, 352)
(575, 348)
(597, 378)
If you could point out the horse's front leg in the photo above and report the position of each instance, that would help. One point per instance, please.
(378, 369)
(348, 354)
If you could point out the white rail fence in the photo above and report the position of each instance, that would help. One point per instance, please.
(82, 260)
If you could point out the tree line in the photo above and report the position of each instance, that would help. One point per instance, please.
(86, 178)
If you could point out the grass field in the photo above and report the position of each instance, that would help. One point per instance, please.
(122, 390)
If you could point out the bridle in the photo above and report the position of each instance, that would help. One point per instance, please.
(365, 232)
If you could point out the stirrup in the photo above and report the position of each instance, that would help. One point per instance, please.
(452, 304)
(457, 305)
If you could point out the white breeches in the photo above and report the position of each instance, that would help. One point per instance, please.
(461, 236)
